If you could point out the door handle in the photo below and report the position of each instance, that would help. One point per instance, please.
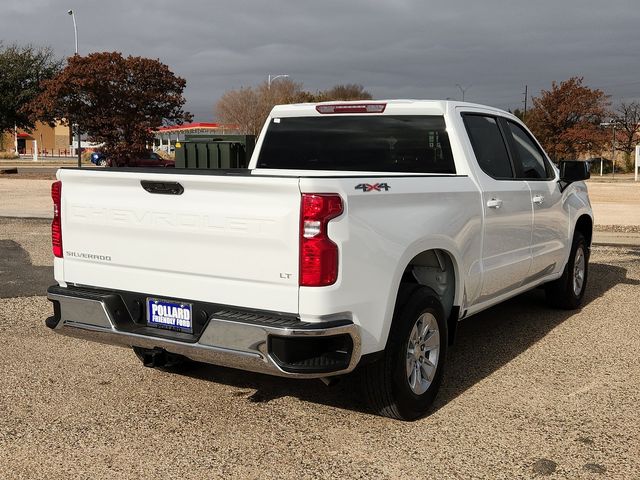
(494, 203)
(163, 188)
(538, 199)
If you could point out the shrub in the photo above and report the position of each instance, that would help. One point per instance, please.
(165, 155)
(86, 156)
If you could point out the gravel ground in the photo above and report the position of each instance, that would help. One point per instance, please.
(530, 392)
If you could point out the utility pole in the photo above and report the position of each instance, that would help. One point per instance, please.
(526, 94)
(463, 90)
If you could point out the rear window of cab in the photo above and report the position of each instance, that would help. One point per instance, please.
(381, 143)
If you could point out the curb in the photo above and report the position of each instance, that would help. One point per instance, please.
(27, 216)
(616, 239)
(596, 243)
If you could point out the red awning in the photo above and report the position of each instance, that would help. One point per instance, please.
(189, 126)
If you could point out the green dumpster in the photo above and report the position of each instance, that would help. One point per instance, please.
(218, 152)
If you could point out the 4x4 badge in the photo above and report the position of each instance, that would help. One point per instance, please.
(378, 187)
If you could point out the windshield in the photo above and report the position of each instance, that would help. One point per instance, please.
(413, 144)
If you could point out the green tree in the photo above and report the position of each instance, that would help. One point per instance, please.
(22, 70)
(117, 101)
(566, 119)
(518, 113)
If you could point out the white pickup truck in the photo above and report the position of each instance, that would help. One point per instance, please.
(358, 237)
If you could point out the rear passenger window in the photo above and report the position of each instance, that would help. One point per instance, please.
(489, 146)
(529, 155)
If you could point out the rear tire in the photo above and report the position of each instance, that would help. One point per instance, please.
(403, 383)
(568, 291)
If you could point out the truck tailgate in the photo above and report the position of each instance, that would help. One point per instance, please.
(228, 239)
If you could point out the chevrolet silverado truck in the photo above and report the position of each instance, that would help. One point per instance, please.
(358, 237)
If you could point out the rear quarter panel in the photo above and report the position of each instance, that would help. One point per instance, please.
(381, 231)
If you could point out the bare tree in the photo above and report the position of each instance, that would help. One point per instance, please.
(240, 108)
(248, 107)
(627, 119)
(346, 92)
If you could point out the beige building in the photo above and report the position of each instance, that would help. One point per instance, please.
(50, 140)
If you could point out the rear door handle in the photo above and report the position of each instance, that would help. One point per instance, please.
(494, 203)
(538, 199)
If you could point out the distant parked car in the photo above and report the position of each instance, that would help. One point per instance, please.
(99, 158)
(151, 159)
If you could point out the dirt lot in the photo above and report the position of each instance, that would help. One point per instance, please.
(530, 392)
(615, 203)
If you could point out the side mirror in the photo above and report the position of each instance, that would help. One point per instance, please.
(574, 171)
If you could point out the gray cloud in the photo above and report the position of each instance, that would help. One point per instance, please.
(397, 49)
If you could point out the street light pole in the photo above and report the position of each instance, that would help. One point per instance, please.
(75, 31)
(273, 77)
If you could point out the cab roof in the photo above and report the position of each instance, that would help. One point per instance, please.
(390, 107)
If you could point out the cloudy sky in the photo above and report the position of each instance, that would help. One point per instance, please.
(395, 48)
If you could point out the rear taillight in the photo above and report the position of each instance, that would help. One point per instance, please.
(318, 254)
(56, 224)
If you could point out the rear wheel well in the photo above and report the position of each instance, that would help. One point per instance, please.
(584, 225)
(435, 269)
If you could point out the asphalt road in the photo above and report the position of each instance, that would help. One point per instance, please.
(529, 392)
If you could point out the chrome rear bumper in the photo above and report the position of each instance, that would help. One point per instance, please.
(223, 341)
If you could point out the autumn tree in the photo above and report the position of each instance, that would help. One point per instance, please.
(626, 116)
(117, 101)
(249, 107)
(22, 70)
(566, 119)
